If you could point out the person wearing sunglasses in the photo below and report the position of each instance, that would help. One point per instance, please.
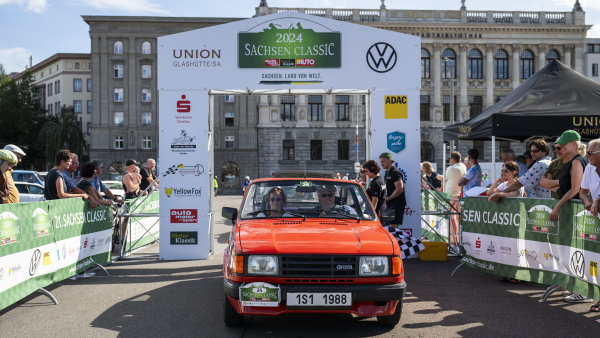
(570, 177)
(590, 183)
(550, 179)
(275, 201)
(509, 175)
(326, 196)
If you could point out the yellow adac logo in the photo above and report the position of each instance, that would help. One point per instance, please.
(396, 107)
(168, 191)
(593, 269)
(46, 260)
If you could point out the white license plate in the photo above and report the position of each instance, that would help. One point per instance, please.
(319, 299)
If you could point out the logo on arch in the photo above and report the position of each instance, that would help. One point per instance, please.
(396, 141)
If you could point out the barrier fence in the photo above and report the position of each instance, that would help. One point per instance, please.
(46, 242)
(144, 225)
(515, 238)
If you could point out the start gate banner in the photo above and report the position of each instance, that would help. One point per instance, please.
(45, 242)
(515, 238)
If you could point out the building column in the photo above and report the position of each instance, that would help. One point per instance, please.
(463, 103)
(329, 111)
(579, 58)
(302, 110)
(437, 108)
(263, 111)
(541, 63)
(516, 53)
(567, 55)
(489, 75)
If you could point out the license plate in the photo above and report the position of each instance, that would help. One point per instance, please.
(260, 294)
(319, 299)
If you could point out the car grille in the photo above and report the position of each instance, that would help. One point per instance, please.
(319, 266)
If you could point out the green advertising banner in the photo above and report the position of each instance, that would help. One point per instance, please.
(515, 238)
(45, 242)
(289, 47)
(143, 230)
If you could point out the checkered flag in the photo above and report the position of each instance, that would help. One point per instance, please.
(172, 170)
(408, 245)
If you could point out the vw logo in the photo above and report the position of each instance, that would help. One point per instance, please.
(381, 57)
(35, 262)
(577, 264)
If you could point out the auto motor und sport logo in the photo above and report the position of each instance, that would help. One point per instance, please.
(184, 215)
(577, 264)
(381, 57)
(183, 144)
(183, 170)
(184, 107)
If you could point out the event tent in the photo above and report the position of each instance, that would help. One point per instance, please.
(554, 99)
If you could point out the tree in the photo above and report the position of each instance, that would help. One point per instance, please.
(62, 131)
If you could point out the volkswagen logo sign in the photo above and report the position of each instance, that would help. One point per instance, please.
(381, 57)
(578, 264)
(34, 262)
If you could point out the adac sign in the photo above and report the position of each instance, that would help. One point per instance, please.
(396, 141)
(396, 107)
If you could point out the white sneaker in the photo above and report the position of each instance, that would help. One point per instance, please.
(576, 298)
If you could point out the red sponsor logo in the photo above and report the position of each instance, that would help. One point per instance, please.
(478, 243)
(85, 243)
(593, 237)
(406, 232)
(305, 62)
(271, 62)
(582, 235)
(184, 215)
(544, 229)
(183, 105)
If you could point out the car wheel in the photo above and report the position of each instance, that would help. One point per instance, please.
(230, 316)
(392, 320)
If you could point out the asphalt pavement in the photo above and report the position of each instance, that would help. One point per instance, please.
(147, 297)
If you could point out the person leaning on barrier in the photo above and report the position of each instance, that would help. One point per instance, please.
(572, 172)
(13, 192)
(550, 179)
(7, 160)
(509, 175)
(433, 179)
(96, 181)
(131, 181)
(474, 176)
(87, 173)
(55, 186)
(590, 183)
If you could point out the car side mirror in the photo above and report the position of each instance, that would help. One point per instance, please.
(229, 213)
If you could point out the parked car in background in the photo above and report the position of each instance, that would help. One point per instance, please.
(115, 187)
(27, 176)
(30, 192)
(42, 175)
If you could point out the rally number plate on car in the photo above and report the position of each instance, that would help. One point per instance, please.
(319, 299)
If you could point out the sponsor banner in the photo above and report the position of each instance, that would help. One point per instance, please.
(515, 238)
(143, 230)
(53, 241)
(184, 237)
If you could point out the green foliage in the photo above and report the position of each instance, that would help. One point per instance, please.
(62, 132)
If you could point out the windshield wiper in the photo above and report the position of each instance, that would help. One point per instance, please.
(337, 213)
(268, 212)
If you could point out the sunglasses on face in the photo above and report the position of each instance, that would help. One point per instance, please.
(505, 171)
(535, 151)
(327, 195)
(558, 148)
(590, 153)
(275, 199)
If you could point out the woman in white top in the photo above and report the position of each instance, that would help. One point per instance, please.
(510, 173)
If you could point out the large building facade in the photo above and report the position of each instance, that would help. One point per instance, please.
(469, 61)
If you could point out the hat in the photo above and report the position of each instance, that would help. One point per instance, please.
(15, 149)
(326, 187)
(568, 136)
(132, 161)
(8, 156)
(386, 155)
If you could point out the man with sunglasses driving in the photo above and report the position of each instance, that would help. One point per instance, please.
(326, 195)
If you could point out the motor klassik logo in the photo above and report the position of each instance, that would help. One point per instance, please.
(381, 57)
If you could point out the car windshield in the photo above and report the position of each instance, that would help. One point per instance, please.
(306, 198)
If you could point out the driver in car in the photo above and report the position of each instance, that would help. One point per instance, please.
(326, 194)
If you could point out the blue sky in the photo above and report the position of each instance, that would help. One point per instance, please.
(41, 28)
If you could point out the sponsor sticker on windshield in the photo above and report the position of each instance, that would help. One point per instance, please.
(306, 184)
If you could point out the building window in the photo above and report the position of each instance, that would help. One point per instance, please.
(146, 119)
(479, 146)
(77, 85)
(89, 85)
(315, 108)
(425, 64)
(475, 105)
(426, 152)
(118, 119)
(146, 71)
(146, 47)
(57, 87)
(288, 108)
(527, 64)
(229, 142)
(57, 107)
(446, 104)
(342, 107)
(552, 54)
(49, 89)
(118, 47)
(229, 119)
(229, 98)
(89, 106)
(118, 97)
(289, 149)
(50, 109)
(316, 150)
(448, 67)
(89, 128)
(594, 69)
(425, 116)
(146, 142)
(146, 95)
(475, 64)
(77, 106)
(118, 71)
(118, 142)
(500, 64)
(343, 150)
(590, 48)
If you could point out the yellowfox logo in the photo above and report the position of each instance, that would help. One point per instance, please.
(168, 191)
(546, 255)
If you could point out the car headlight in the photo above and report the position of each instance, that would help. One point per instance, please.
(263, 265)
(373, 266)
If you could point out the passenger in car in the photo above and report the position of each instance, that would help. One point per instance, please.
(275, 201)
(326, 194)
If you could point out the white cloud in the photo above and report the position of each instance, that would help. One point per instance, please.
(137, 7)
(586, 5)
(14, 59)
(36, 6)
(594, 32)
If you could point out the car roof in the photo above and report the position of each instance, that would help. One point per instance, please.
(304, 174)
(29, 183)
(271, 179)
(18, 171)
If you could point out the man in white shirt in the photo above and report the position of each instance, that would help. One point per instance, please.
(455, 171)
(590, 184)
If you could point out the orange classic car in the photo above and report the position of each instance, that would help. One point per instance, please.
(310, 245)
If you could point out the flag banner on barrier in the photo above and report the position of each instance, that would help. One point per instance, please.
(143, 230)
(515, 238)
(45, 242)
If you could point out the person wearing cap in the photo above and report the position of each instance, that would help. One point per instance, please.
(326, 195)
(569, 181)
(131, 184)
(7, 160)
(13, 192)
(394, 185)
(245, 184)
(56, 187)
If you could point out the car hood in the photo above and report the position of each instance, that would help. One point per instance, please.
(315, 237)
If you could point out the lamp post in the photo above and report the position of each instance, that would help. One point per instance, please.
(446, 60)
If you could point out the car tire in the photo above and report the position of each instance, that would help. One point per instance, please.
(391, 320)
(230, 316)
